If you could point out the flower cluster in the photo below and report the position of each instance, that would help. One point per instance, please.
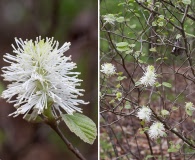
(149, 77)
(108, 69)
(156, 130)
(144, 113)
(41, 77)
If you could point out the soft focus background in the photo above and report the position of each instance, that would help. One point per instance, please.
(65, 20)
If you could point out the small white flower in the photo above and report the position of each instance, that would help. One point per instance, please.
(109, 18)
(144, 113)
(149, 77)
(190, 106)
(156, 130)
(108, 69)
(41, 75)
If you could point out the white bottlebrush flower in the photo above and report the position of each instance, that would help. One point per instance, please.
(144, 113)
(108, 69)
(149, 76)
(156, 130)
(41, 75)
(109, 18)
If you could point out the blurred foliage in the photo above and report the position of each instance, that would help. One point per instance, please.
(106, 147)
(134, 27)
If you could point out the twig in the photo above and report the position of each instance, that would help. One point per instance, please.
(55, 127)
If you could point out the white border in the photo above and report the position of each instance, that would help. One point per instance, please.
(98, 127)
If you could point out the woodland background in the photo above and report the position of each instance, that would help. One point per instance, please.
(65, 20)
(135, 34)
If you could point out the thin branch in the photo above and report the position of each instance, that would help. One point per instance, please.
(74, 150)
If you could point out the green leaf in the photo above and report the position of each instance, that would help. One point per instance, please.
(118, 95)
(122, 44)
(148, 157)
(174, 147)
(164, 112)
(166, 84)
(120, 19)
(160, 24)
(118, 85)
(153, 49)
(140, 61)
(137, 15)
(174, 108)
(142, 123)
(112, 101)
(132, 26)
(157, 84)
(158, 141)
(137, 83)
(161, 16)
(120, 78)
(157, 4)
(186, 2)
(127, 105)
(120, 73)
(188, 150)
(2, 88)
(82, 126)
(137, 54)
(129, 51)
(132, 45)
(131, 4)
(158, 59)
(121, 4)
(122, 49)
(141, 131)
(189, 112)
(172, 150)
(164, 58)
(154, 23)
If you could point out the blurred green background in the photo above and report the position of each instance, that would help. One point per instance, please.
(65, 20)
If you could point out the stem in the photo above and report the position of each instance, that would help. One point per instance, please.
(66, 141)
(150, 146)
